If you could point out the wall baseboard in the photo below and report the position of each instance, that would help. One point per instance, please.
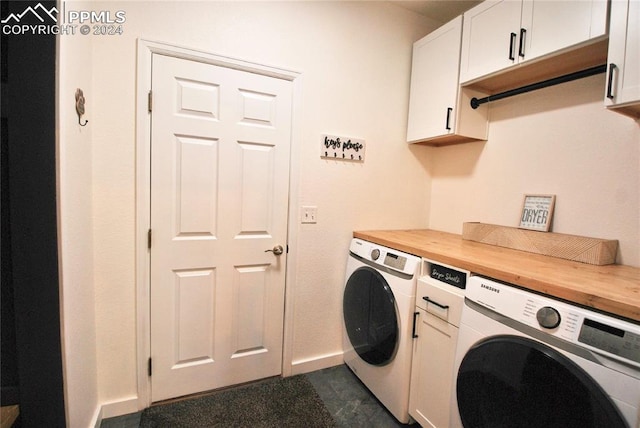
(316, 363)
(96, 421)
(115, 408)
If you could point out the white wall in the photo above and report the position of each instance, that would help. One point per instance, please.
(559, 140)
(75, 201)
(355, 62)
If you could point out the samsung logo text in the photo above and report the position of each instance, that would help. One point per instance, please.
(490, 288)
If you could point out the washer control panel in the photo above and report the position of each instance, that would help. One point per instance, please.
(615, 340)
(395, 261)
(382, 256)
(603, 334)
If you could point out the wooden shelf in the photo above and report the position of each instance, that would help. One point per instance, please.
(613, 289)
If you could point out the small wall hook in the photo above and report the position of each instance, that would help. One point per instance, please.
(80, 107)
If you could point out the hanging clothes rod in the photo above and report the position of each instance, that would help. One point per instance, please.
(475, 102)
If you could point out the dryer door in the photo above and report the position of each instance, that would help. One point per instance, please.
(513, 381)
(370, 316)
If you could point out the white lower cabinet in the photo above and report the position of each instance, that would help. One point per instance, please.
(439, 302)
(431, 382)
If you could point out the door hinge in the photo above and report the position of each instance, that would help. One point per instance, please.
(150, 102)
(149, 239)
(149, 367)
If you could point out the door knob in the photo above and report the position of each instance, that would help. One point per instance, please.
(277, 250)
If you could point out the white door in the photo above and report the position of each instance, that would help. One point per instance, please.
(220, 145)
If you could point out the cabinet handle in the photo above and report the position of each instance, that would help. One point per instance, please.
(512, 46)
(448, 125)
(523, 35)
(415, 317)
(428, 300)
(610, 94)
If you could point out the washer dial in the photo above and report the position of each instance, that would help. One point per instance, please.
(548, 317)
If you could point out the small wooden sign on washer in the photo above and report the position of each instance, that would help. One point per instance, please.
(342, 148)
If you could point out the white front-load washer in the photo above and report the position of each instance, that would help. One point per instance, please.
(378, 313)
(527, 360)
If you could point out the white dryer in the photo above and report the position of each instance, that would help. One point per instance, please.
(526, 360)
(378, 313)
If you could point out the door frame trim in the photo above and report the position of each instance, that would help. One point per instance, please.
(145, 51)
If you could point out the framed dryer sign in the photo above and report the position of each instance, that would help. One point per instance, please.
(537, 211)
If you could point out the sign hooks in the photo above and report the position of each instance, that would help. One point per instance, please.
(342, 148)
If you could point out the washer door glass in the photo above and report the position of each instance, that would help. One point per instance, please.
(512, 381)
(370, 316)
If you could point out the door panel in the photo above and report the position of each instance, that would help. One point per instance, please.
(194, 291)
(220, 144)
(249, 301)
(197, 181)
(256, 178)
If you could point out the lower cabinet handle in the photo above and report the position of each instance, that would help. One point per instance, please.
(428, 300)
(448, 124)
(610, 94)
(415, 317)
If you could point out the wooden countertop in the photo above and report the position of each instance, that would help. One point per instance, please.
(612, 288)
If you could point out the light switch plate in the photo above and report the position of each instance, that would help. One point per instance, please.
(309, 214)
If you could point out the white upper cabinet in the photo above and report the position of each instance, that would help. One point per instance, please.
(623, 71)
(500, 34)
(439, 112)
(554, 25)
(489, 41)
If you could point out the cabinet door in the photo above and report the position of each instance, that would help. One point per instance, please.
(624, 54)
(489, 38)
(434, 82)
(549, 26)
(432, 371)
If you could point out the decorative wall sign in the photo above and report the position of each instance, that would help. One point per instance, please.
(342, 148)
(537, 211)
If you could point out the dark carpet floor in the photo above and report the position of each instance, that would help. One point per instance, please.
(277, 402)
